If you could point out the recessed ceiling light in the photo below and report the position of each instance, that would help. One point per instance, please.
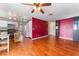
(14, 18)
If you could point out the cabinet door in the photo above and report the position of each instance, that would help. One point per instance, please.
(76, 29)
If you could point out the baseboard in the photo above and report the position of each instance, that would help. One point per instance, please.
(40, 37)
(51, 35)
(66, 38)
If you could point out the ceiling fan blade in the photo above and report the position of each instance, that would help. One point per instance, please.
(41, 11)
(46, 4)
(27, 4)
(33, 11)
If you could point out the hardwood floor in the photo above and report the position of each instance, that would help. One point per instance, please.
(43, 47)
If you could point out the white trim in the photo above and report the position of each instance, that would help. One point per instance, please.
(66, 38)
(40, 37)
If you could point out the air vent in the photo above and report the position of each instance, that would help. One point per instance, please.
(50, 14)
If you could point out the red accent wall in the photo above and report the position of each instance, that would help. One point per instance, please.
(39, 28)
(66, 28)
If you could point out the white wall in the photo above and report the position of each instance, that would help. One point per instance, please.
(52, 28)
(28, 29)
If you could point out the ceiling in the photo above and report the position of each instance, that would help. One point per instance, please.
(23, 11)
(58, 11)
(65, 10)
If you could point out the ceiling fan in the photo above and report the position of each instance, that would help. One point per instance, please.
(38, 6)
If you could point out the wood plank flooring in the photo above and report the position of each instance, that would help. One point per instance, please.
(43, 47)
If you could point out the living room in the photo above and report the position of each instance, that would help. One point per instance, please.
(39, 29)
